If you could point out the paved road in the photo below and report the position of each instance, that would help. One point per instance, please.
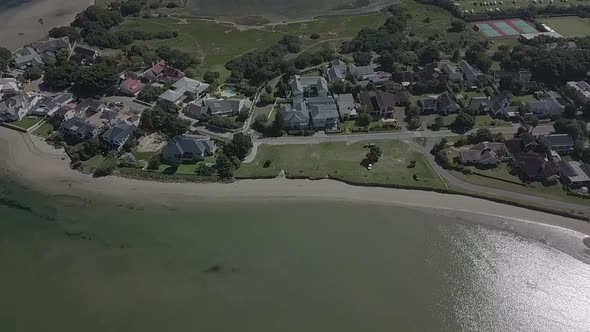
(450, 179)
(323, 138)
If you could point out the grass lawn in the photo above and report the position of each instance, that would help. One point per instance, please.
(93, 163)
(569, 26)
(44, 130)
(333, 27)
(342, 161)
(143, 155)
(215, 43)
(187, 168)
(26, 122)
(524, 99)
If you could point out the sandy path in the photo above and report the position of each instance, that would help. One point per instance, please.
(41, 166)
(20, 25)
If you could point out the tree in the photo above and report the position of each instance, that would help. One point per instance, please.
(176, 58)
(266, 99)
(154, 162)
(363, 119)
(5, 58)
(95, 80)
(240, 146)
(438, 124)
(570, 111)
(483, 135)
(429, 54)
(414, 122)
(211, 76)
(60, 77)
(150, 93)
(586, 156)
(458, 26)
(463, 122)
(72, 33)
(33, 73)
(576, 129)
(225, 168)
(62, 57)
(408, 58)
(362, 58)
(373, 155)
(174, 163)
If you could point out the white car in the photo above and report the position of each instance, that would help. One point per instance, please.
(370, 166)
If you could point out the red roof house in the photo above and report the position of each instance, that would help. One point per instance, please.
(162, 72)
(131, 87)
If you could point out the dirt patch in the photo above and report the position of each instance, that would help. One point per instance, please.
(252, 20)
(151, 143)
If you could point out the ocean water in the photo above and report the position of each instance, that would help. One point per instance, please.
(71, 263)
(6, 4)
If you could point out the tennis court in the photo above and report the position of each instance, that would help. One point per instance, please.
(504, 28)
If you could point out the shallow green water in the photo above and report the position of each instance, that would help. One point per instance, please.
(73, 264)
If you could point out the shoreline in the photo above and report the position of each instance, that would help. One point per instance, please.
(38, 165)
(20, 24)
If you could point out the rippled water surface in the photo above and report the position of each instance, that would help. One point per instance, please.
(75, 264)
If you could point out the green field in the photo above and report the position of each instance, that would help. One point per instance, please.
(44, 130)
(569, 26)
(508, 4)
(215, 43)
(26, 122)
(341, 161)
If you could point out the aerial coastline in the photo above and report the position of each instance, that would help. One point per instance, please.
(20, 24)
(24, 153)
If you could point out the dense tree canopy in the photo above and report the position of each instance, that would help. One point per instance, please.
(158, 120)
(95, 80)
(5, 57)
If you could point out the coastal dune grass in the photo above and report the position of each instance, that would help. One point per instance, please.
(342, 161)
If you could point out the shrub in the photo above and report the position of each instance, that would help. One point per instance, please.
(267, 164)
(155, 162)
(315, 36)
(106, 168)
(171, 4)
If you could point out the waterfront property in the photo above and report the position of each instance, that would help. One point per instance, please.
(188, 148)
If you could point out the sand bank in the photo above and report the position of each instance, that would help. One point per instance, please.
(20, 25)
(41, 166)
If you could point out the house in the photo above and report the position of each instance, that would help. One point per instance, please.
(191, 88)
(470, 73)
(51, 47)
(49, 105)
(485, 154)
(525, 37)
(430, 72)
(314, 86)
(574, 174)
(106, 118)
(522, 78)
(560, 143)
(89, 107)
(382, 104)
(131, 87)
(581, 90)
(8, 88)
(427, 104)
(79, 128)
(118, 135)
(455, 75)
(27, 57)
(17, 107)
(86, 54)
(362, 72)
(337, 72)
(212, 106)
(479, 104)
(162, 72)
(535, 167)
(500, 107)
(64, 113)
(406, 78)
(324, 113)
(377, 78)
(188, 148)
(295, 116)
(346, 106)
(172, 99)
(546, 108)
(446, 105)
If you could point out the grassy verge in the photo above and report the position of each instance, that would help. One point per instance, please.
(341, 161)
(44, 130)
(26, 122)
(481, 121)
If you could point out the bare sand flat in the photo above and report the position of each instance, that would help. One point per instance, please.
(20, 25)
(42, 167)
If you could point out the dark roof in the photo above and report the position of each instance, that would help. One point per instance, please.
(87, 51)
(427, 102)
(565, 168)
(79, 125)
(586, 169)
(119, 132)
(445, 100)
(191, 144)
(560, 140)
(534, 166)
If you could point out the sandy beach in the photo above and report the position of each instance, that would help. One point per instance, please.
(20, 25)
(44, 168)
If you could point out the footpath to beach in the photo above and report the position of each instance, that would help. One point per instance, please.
(40, 166)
